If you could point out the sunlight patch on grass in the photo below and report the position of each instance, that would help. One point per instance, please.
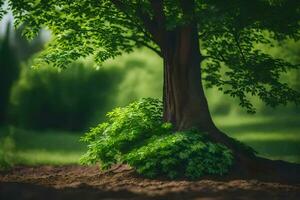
(39, 157)
(236, 120)
(262, 136)
(290, 158)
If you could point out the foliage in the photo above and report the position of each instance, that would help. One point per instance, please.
(229, 31)
(48, 98)
(235, 65)
(2, 11)
(136, 135)
(132, 124)
(181, 154)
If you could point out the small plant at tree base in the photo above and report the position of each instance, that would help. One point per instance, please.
(136, 135)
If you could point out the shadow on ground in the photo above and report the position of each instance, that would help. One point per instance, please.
(22, 191)
(88, 183)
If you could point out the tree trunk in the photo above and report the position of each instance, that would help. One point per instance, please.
(185, 105)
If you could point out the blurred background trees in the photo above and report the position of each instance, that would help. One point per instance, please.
(14, 49)
(9, 69)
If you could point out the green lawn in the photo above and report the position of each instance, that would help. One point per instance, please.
(48, 147)
(275, 138)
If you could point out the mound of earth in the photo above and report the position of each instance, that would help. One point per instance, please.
(121, 182)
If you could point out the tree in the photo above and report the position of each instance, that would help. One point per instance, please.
(199, 40)
(13, 50)
(9, 72)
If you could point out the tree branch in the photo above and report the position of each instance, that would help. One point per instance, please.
(149, 24)
(236, 39)
(158, 52)
(141, 42)
(134, 39)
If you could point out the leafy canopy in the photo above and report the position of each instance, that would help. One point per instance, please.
(229, 32)
(136, 135)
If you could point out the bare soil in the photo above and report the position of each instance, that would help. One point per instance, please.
(121, 182)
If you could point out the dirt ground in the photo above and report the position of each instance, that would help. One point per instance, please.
(88, 183)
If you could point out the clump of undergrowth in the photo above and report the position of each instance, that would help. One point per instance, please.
(136, 135)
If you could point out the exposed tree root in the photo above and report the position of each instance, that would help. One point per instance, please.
(247, 164)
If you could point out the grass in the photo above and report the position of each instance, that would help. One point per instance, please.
(272, 137)
(276, 137)
(48, 147)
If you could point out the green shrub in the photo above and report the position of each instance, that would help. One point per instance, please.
(126, 129)
(46, 98)
(135, 135)
(181, 154)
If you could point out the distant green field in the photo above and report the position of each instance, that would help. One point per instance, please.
(275, 138)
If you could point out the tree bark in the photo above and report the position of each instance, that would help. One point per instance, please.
(185, 105)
